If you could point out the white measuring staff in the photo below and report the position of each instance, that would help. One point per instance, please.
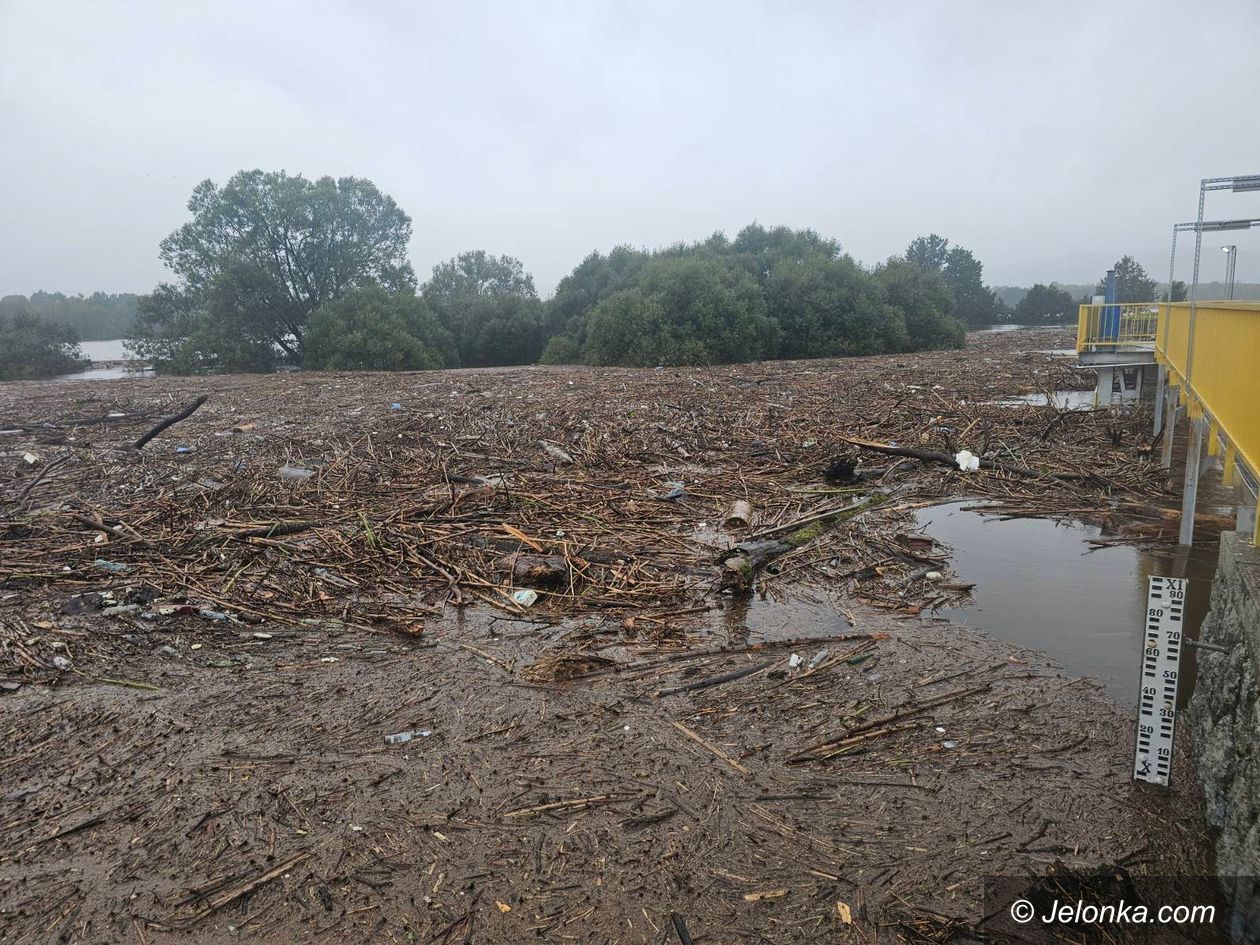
(1157, 688)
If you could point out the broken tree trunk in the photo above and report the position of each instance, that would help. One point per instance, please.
(170, 421)
(945, 459)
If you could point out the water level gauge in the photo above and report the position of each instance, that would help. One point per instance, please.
(1157, 694)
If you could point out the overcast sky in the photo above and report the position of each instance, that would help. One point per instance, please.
(1043, 136)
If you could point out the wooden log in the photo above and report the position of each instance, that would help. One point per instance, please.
(738, 515)
(170, 421)
(945, 459)
(549, 572)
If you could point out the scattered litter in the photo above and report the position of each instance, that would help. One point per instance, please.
(934, 576)
(795, 660)
(738, 515)
(967, 461)
(62, 663)
(295, 472)
(113, 567)
(401, 738)
(525, 597)
(556, 453)
(818, 658)
(120, 609)
(676, 491)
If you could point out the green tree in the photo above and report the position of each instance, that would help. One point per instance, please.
(1044, 303)
(96, 317)
(264, 252)
(974, 303)
(928, 252)
(372, 329)
(490, 307)
(832, 308)
(925, 302)
(34, 348)
(763, 250)
(1179, 292)
(683, 310)
(594, 279)
(1132, 282)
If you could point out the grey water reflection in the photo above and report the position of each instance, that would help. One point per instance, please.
(1040, 585)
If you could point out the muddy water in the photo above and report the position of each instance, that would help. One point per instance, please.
(1040, 585)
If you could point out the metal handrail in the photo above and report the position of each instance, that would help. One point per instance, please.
(1117, 324)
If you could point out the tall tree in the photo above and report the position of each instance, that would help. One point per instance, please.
(974, 303)
(1132, 282)
(1179, 292)
(928, 252)
(683, 310)
(267, 249)
(1045, 303)
(829, 308)
(926, 303)
(490, 306)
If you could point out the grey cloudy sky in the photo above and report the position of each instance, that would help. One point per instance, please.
(1044, 136)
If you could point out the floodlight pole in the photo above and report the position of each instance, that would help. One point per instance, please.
(1231, 261)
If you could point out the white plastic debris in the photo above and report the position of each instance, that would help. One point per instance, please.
(30, 459)
(967, 461)
(795, 660)
(525, 597)
(62, 663)
(934, 576)
(818, 658)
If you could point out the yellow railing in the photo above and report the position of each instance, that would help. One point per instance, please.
(1220, 381)
(1116, 325)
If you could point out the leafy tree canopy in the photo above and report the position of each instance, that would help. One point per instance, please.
(1045, 303)
(974, 303)
(490, 307)
(926, 301)
(830, 308)
(683, 310)
(268, 249)
(371, 329)
(1132, 282)
(34, 348)
(928, 252)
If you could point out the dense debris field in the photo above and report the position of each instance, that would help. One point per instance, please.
(657, 650)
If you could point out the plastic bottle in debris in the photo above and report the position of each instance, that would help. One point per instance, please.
(401, 738)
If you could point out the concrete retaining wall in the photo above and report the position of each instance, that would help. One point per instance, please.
(1225, 715)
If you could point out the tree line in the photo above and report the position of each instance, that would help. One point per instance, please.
(275, 268)
(100, 316)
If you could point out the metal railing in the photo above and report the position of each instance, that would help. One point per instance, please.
(1120, 324)
(1218, 375)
